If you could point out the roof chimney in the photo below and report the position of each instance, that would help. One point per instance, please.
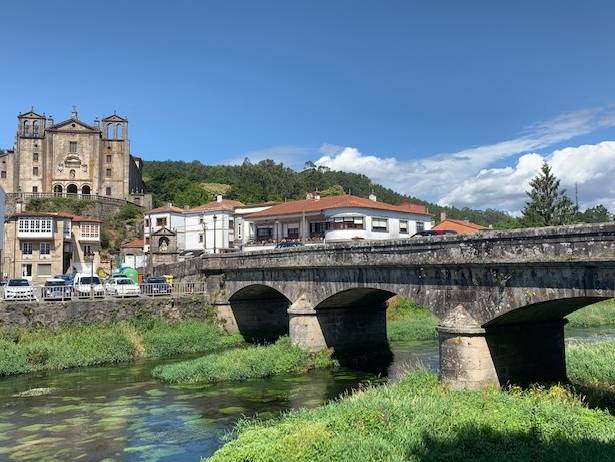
(186, 207)
(442, 216)
(219, 198)
(372, 197)
(168, 204)
(317, 196)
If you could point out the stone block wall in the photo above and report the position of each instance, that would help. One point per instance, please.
(39, 315)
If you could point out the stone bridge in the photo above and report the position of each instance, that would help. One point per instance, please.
(501, 296)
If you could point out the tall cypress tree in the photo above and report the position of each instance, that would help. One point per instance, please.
(548, 205)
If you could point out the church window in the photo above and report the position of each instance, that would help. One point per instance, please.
(26, 128)
(35, 157)
(34, 171)
(35, 128)
(72, 146)
(119, 132)
(110, 131)
(108, 158)
(108, 172)
(3, 174)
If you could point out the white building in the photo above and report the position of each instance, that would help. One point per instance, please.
(212, 227)
(338, 218)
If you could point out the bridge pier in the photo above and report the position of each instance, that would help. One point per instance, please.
(345, 329)
(521, 354)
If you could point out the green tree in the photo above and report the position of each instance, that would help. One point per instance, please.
(548, 205)
(597, 214)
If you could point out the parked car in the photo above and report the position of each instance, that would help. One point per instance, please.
(123, 287)
(435, 232)
(56, 289)
(67, 278)
(87, 286)
(155, 285)
(288, 244)
(19, 289)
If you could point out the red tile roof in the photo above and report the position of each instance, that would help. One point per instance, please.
(224, 204)
(135, 244)
(461, 226)
(83, 218)
(335, 202)
(41, 214)
(167, 208)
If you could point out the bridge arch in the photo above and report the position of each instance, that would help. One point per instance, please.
(260, 312)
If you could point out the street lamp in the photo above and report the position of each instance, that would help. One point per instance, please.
(215, 218)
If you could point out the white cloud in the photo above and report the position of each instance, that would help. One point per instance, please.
(465, 178)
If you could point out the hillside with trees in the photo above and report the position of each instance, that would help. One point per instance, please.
(193, 183)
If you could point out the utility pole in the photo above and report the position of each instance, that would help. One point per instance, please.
(576, 195)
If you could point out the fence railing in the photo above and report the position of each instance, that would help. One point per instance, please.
(101, 291)
(86, 197)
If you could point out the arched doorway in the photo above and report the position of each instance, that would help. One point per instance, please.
(86, 190)
(57, 189)
(72, 189)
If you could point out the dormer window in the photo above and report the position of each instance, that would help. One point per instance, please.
(72, 146)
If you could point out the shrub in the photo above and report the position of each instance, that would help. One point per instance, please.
(246, 363)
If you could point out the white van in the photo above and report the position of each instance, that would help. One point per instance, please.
(86, 285)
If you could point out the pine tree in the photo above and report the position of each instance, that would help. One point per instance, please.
(548, 205)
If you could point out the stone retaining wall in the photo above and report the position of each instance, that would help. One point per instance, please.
(37, 315)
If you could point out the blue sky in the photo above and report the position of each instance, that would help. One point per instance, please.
(402, 85)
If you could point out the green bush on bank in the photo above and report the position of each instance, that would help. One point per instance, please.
(591, 363)
(246, 363)
(407, 321)
(596, 315)
(24, 350)
(418, 419)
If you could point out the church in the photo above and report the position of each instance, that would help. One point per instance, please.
(73, 158)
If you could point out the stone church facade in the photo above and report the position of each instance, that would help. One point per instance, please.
(73, 158)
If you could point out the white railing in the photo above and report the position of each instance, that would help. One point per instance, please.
(101, 291)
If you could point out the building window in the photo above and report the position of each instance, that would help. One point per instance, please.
(201, 238)
(34, 171)
(26, 248)
(108, 172)
(90, 230)
(34, 189)
(146, 223)
(26, 270)
(43, 269)
(264, 233)
(87, 250)
(108, 190)
(380, 225)
(35, 225)
(108, 158)
(45, 248)
(346, 223)
(35, 157)
(72, 146)
(3, 174)
(35, 128)
(161, 221)
(420, 226)
(403, 226)
(26, 128)
(292, 233)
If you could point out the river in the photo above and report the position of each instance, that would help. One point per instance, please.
(121, 413)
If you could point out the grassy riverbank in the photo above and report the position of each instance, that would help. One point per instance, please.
(407, 321)
(23, 351)
(591, 363)
(418, 419)
(245, 363)
(596, 315)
